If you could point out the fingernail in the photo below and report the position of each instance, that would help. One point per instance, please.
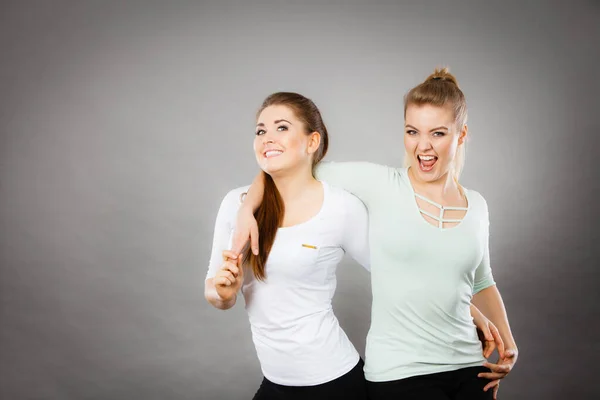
(255, 251)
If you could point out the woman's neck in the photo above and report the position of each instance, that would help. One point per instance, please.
(438, 188)
(292, 186)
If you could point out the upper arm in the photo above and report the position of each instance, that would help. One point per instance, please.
(483, 274)
(356, 231)
(362, 179)
(224, 225)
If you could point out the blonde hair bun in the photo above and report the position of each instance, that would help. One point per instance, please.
(442, 74)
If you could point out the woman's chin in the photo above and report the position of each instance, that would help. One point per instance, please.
(271, 169)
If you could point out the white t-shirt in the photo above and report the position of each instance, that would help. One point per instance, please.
(297, 337)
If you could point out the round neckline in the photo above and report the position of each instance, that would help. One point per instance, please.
(314, 217)
(418, 211)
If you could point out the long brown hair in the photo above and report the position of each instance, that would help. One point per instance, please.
(269, 214)
(441, 89)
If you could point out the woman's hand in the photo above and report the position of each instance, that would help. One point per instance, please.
(230, 277)
(488, 333)
(499, 370)
(245, 228)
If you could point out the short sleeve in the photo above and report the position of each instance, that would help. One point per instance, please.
(355, 239)
(363, 179)
(483, 274)
(223, 231)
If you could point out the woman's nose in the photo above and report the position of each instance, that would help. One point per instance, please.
(424, 143)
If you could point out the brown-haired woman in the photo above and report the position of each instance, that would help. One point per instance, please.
(305, 228)
(430, 257)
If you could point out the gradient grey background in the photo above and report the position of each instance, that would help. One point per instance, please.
(124, 123)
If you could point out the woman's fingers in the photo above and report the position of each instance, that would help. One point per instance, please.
(222, 280)
(231, 267)
(496, 390)
(254, 237)
(229, 255)
(487, 339)
(488, 348)
(233, 262)
(497, 339)
(497, 371)
(503, 368)
(493, 384)
(492, 375)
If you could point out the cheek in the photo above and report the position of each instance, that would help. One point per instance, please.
(256, 144)
(296, 145)
(447, 146)
(409, 142)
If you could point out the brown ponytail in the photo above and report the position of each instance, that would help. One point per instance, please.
(269, 214)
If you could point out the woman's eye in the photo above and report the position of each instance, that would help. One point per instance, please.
(438, 133)
(411, 132)
(282, 128)
(260, 132)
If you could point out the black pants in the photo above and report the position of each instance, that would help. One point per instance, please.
(350, 386)
(462, 384)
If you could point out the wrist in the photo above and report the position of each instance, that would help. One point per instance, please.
(246, 209)
(509, 341)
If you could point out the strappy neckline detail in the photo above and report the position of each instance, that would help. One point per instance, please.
(439, 218)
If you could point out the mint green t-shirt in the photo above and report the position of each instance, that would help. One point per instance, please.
(422, 276)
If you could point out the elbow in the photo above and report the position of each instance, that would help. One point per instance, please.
(222, 305)
(209, 299)
(213, 299)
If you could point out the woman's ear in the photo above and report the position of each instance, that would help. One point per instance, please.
(463, 134)
(314, 141)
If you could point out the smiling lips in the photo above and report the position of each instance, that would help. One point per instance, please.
(272, 153)
(426, 162)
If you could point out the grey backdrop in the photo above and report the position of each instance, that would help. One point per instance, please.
(124, 123)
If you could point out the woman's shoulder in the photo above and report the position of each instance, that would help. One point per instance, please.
(476, 201)
(342, 200)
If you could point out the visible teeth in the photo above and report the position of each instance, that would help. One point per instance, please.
(271, 153)
(426, 158)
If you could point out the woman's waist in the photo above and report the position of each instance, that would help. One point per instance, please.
(418, 329)
(295, 325)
